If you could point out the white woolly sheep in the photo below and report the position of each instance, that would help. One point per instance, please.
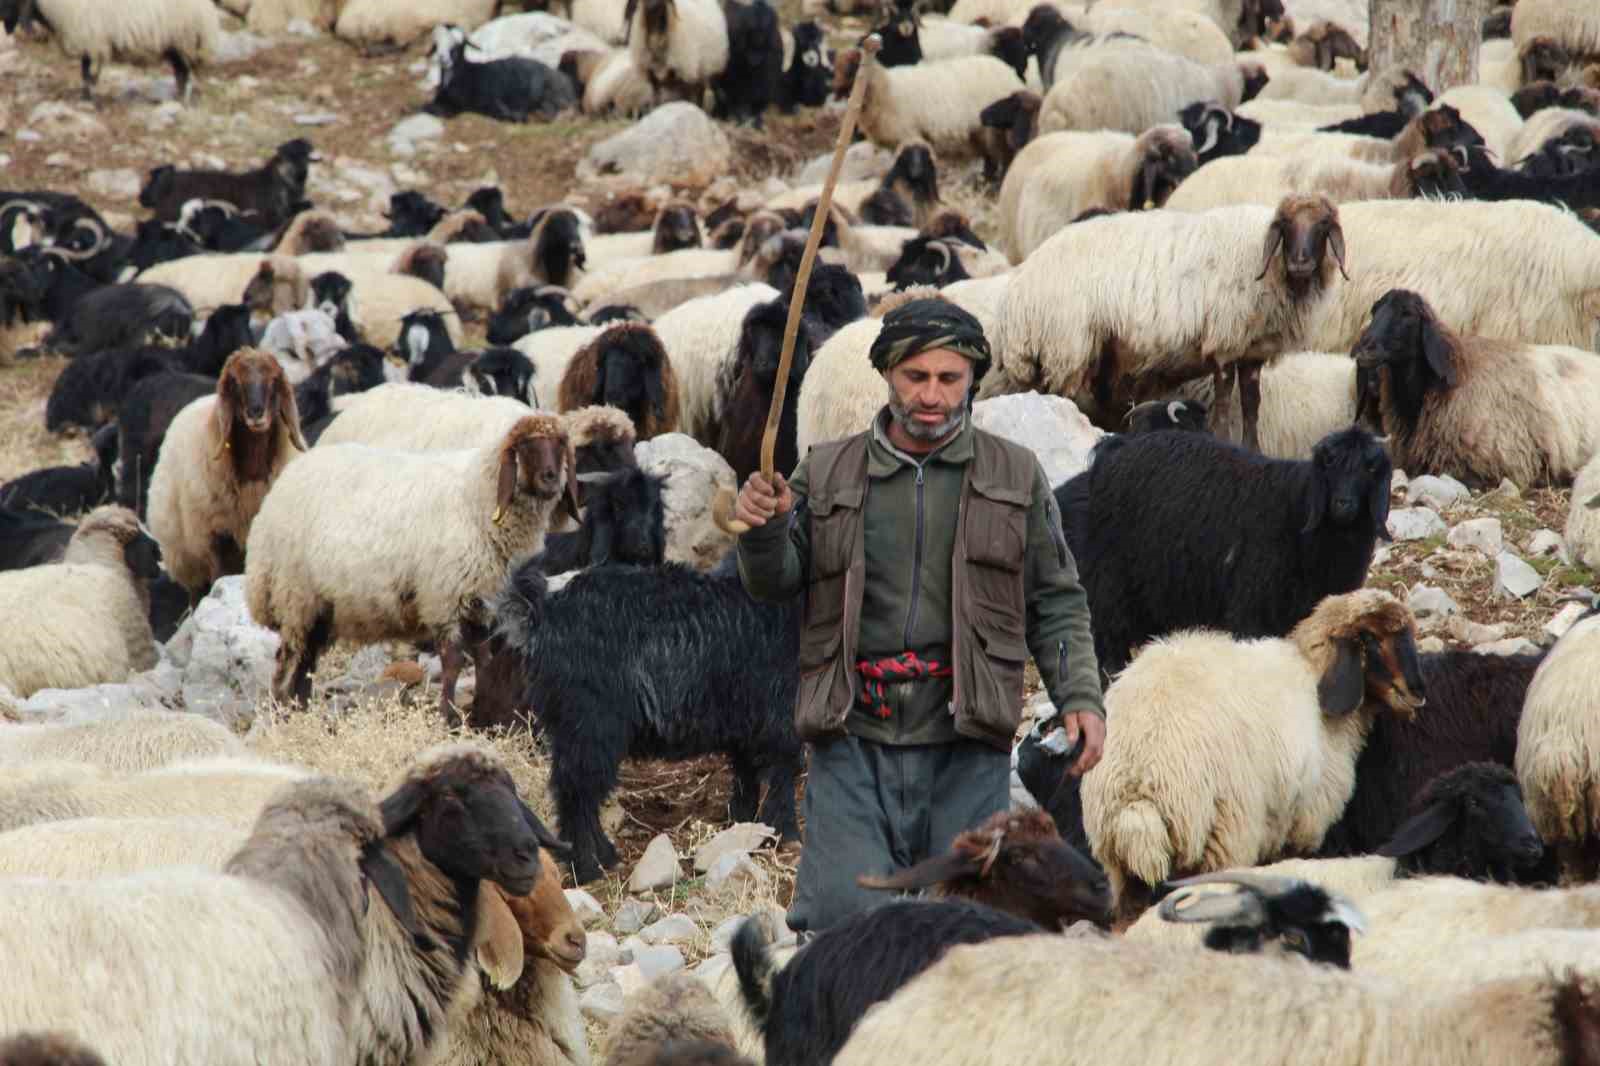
(291, 926)
(1164, 1003)
(1184, 33)
(1131, 86)
(219, 457)
(1223, 753)
(337, 553)
(128, 741)
(272, 17)
(397, 23)
(1304, 397)
(109, 847)
(274, 283)
(1297, 115)
(607, 19)
(672, 1008)
(602, 284)
(1192, 295)
(938, 102)
(701, 337)
(680, 45)
(85, 620)
(1058, 176)
(184, 33)
(1558, 750)
(411, 417)
(1548, 124)
(1006, 12)
(1267, 179)
(1478, 408)
(1574, 27)
(551, 349)
(480, 275)
(676, 226)
(380, 297)
(609, 82)
(1487, 110)
(1471, 262)
(1583, 517)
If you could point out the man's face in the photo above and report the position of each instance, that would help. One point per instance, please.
(928, 393)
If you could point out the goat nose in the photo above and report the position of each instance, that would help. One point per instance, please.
(577, 942)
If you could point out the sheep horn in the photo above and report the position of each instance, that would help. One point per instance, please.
(1261, 884)
(1211, 137)
(722, 506)
(1593, 504)
(1172, 410)
(1243, 908)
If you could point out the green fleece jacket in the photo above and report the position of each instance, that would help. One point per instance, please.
(909, 530)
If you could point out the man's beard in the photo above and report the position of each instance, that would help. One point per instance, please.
(922, 431)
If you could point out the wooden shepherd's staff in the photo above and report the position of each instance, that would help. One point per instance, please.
(722, 507)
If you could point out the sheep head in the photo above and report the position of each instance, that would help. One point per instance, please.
(1042, 26)
(676, 226)
(1351, 474)
(602, 440)
(926, 261)
(502, 372)
(845, 66)
(47, 1048)
(534, 456)
(1435, 173)
(556, 246)
(425, 261)
(1017, 117)
(1411, 96)
(1293, 915)
(1218, 132)
(1324, 44)
(1543, 59)
(461, 806)
(253, 399)
(1254, 16)
(1469, 822)
(530, 309)
(1017, 862)
(120, 526)
(626, 518)
(1405, 330)
(412, 214)
(1153, 415)
(1362, 646)
(1163, 157)
(1443, 127)
(547, 926)
(761, 345)
(1303, 230)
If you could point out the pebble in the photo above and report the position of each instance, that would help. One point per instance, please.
(1547, 542)
(1514, 578)
(1509, 646)
(585, 906)
(1479, 534)
(735, 867)
(633, 915)
(741, 838)
(1415, 523)
(1564, 620)
(1467, 631)
(673, 929)
(601, 1002)
(657, 867)
(1427, 600)
(1434, 491)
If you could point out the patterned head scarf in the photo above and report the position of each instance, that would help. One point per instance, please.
(923, 325)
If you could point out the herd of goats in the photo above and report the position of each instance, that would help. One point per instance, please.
(1271, 277)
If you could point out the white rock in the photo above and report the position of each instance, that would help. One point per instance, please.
(1425, 600)
(1507, 489)
(1414, 523)
(316, 118)
(585, 906)
(862, 161)
(1052, 427)
(1441, 492)
(1565, 619)
(419, 127)
(656, 962)
(1381, 554)
(600, 954)
(741, 838)
(601, 1003)
(675, 143)
(1467, 631)
(55, 119)
(227, 660)
(121, 184)
(1479, 534)
(1398, 481)
(301, 28)
(733, 868)
(629, 977)
(1547, 542)
(633, 914)
(1514, 578)
(673, 929)
(58, 159)
(237, 47)
(1430, 644)
(1509, 646)
(713, 969)
(722, 935)
(694, 473)
(34, 136)
(96, 701)
(657, 867)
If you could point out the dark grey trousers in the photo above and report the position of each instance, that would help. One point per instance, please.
(874, 808)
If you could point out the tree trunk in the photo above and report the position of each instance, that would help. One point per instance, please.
(1437, 40)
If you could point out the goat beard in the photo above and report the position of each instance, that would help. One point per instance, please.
(903, 416)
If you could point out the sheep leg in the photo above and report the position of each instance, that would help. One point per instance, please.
(1221, 397)
(778, 810)
(87, 66)
(451, 659)
(746, 795)
(316, 641)
(1250, 403)
(180, 73)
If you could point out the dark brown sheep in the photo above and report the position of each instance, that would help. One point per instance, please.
(625, 367)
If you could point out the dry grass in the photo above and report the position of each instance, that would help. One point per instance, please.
(24, 444)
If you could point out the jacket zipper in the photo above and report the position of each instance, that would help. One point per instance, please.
(916, 565)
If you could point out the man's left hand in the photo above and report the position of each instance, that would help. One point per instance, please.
(1093, 728)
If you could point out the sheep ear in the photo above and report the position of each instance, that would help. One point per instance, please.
(385, 875)
(1344, 683)
(600, 548)
(1317, 501)
(223, 414)
(656, 390)
(926, 874)
(1436, 350)
(287, 412)
(1378, 504)
(1274, 242)
(1336, 242)
(569, 494)
(1420, 831)
(401, 808)
(541, 832)
(498, 944)
(508, 483)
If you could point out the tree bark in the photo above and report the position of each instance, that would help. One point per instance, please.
(1437, 40)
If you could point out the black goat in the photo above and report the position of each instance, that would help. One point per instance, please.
(411, 214)
(1184, 530)
(270, 191)
(625, 367)
(1574, 152)
(624, 522)
(1293, 915)
(220, 227)
(124, 316)
(1474, 705)
(330, 294)
(528, 310)
(425, 344)
(355, 369)
(89, 389)
(76, 232)
(501, 372)
(834, 299)
(225, 332)
(1486, 181)
(60, 282)
(806, 1009)
(926, 260)
(28, 538)
(509, 89)
(746, 386)
(809, 78)
(749, 83)
(1218, 132)
(142, 423)
(1467, 822)
(155, 242)
(694, 667)
(1153, 415)
(490, 202)
(23, 288)
(67, 490)
(557, 240)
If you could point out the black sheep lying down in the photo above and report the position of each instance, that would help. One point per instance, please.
(654, 662)
(509, 89)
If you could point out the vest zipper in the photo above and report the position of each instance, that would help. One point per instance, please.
(916, 566)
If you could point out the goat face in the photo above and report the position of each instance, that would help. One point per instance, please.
(676, 228)
(1217, 133)
(1412, 97)
(329, 293)
(628, 375)
(627, 518)
(251, 389)
(1352, 474)
(1543, 59)
(502, 372)
(1303, 230)
(1404, 330)
(550, 928)
(1276, 914)
(1153, 415)
(469, 822)
(143, 556)
(558, 246)
(1040, 29)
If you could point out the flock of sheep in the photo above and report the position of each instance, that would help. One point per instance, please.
(1269, 276)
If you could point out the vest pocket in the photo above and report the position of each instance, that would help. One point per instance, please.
(821, 669)
(995, 702)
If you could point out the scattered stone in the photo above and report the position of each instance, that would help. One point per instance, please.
(1509, 646)
(1565, 619)
(733, 868)
(1438, 492)
(316, 118)
(743, 837)
(863, 161)
(1430, 644)
(1514, 578)
(122, 184)
(1506, 490)
(632, 914)
(722, 935)
(1398, 481)
(694, 473)
(675, 143)
(600, 954)
(673, 929)
(406, 133)
(301, 28)
(237, 47)
(1425, 600)
(55, 119)
(1414, 523)
(96, 701)
(29, 136)
(656, 962)
(1467, 631)
(227, 660)
(1052, 427)
(602, 1002)
(1381, 554)
(1478, 534)
(1546, 543)
(657, 867)
(585, 906)
(58, 159)
(713, 969)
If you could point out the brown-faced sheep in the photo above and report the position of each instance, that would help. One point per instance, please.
(220, 456)
(46, 1049)
(625, 367)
